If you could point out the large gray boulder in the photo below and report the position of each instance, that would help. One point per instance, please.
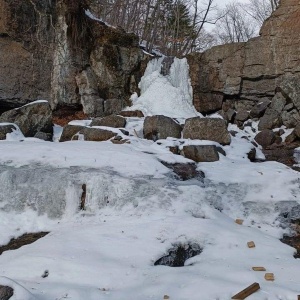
(207, 129)
(69, 131)
(31, 118)
(201, 153)
(110, 121)
(161, 127)
(5, 129)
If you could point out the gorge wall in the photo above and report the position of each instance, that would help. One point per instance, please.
(58, 51)
(244, 74)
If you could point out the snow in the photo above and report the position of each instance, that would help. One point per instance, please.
(89, 14)
(165, 95)
(136, 209)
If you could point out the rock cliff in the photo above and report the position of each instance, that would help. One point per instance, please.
(58, 51)
(245, 74)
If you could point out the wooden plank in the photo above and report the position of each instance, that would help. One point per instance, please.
(251, 289)
(239, 221)
(269, 277)
(251, 244)
(258, 269)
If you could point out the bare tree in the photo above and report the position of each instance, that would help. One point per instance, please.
(235, 24)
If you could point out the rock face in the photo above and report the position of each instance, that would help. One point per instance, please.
(161, 127)
(247, 75)
(207, 129)
(31, 119)
(44, 57)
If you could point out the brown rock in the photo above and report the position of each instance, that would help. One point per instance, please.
(161, 127)
(197, 153)
(110, 121)
(96, 135)
(265, 138)
(5, 129)
(6, 292)
(207, 129)
(132, 113)
(69, 131)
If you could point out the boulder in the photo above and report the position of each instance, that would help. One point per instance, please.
(110, 121)
(290, 118)
(278, 103)
(265, 138)
(132, 113)
(69, 131)
(259, 109)
(271, 119)
(161, 127)
(5, 129)
(43, 136)
(295, 135)
(96, 135)
(185, 171)
(31, 118)
(200, 153)
(6, 292)
(206, 129)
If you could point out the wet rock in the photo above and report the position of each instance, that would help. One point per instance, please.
(69, 131)
(252, 155)
(207, 129)
(110, 121)
(178, 255)
(6, 292)
(265, 138)
(205, 153)
(185, 171)
(96, 134)
(5, 129)
(161, 127)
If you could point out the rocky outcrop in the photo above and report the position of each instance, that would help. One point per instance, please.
(58, 51)
(250, 72)
(161, 127)
(207, 129)
(31, 118)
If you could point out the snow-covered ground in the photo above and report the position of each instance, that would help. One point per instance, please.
(136, 209)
